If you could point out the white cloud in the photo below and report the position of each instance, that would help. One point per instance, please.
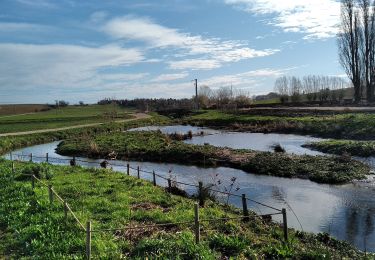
(318, 19)
(170, 77)
(120, 77)
(194, 64)
(28, 66)
(216, 51)
(244, 78)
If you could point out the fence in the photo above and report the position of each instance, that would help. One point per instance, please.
(196, 223)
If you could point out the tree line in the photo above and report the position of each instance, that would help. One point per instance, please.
(223, 98)
(356, 43)
(311, 88)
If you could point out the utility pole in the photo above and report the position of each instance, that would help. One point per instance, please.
(196, 94)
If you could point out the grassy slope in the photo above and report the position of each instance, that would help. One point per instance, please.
(155, 146)
(34, 229)
(346, 126)
(62, 117)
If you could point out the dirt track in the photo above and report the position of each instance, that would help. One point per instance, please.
(137, 117)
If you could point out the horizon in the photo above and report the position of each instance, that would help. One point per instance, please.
(86, 51)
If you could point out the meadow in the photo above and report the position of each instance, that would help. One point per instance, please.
(63, 117)
(32, 228)
(6, 110)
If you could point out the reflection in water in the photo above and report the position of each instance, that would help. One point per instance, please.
(346, 212)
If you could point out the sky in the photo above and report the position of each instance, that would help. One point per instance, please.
(78, 50)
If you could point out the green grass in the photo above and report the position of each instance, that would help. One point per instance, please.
(10, 143)
(267, 101)
(63, 117)
(349, 147)
(31, 228)
(360, 126)
(155, 146)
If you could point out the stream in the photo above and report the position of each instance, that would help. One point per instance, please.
(347, 212)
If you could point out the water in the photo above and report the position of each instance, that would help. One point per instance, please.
(240, 140)
(347, 212)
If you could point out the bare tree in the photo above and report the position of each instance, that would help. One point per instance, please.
(282, 87)
(372, 54)
(366, 46)
(349, 42)
(295, 89)
(205, 96)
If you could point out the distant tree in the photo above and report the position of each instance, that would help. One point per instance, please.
(282, 88)
(205, 96)
(295, 88)
(81, 103)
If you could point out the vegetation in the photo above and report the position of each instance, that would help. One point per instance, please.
(63, 117)
(6, 110)
(356, 46)
(345, 147)
(155, 146)
(311, 88)
(360, 126)
(33, 228)
(10, 143)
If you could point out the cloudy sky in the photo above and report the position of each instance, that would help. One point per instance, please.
(87, 50)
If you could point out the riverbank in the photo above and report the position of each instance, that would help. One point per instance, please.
(358, 126)
(97, 194)
(157, 147)
(342, 147)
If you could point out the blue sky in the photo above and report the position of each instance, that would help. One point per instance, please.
(87, 50)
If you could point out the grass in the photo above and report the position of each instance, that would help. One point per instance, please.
(7, 110)
(32, 228)
(267, 101)
(359, 126)
(155, 146)
(348, 147)
(10, 143)
(63, 117)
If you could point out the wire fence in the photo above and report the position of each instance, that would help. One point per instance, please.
(196, 223)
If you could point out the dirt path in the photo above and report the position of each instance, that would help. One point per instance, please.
(137, 117)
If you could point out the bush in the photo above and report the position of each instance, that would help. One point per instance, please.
(41, 171)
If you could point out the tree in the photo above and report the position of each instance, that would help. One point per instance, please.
(349, 43)
(204, 96)
(295, 88)
(282, 87)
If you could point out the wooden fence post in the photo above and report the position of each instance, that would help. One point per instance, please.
(128, 169)
(88, 240)
(285, 224)
(65, 211)
(31, 157)
(153, 178)
(50, 194)
(138, 172)
(196, 226)
(244, 208)
(169, 185)
(46, 157)
(200, 194)
(33, 181)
